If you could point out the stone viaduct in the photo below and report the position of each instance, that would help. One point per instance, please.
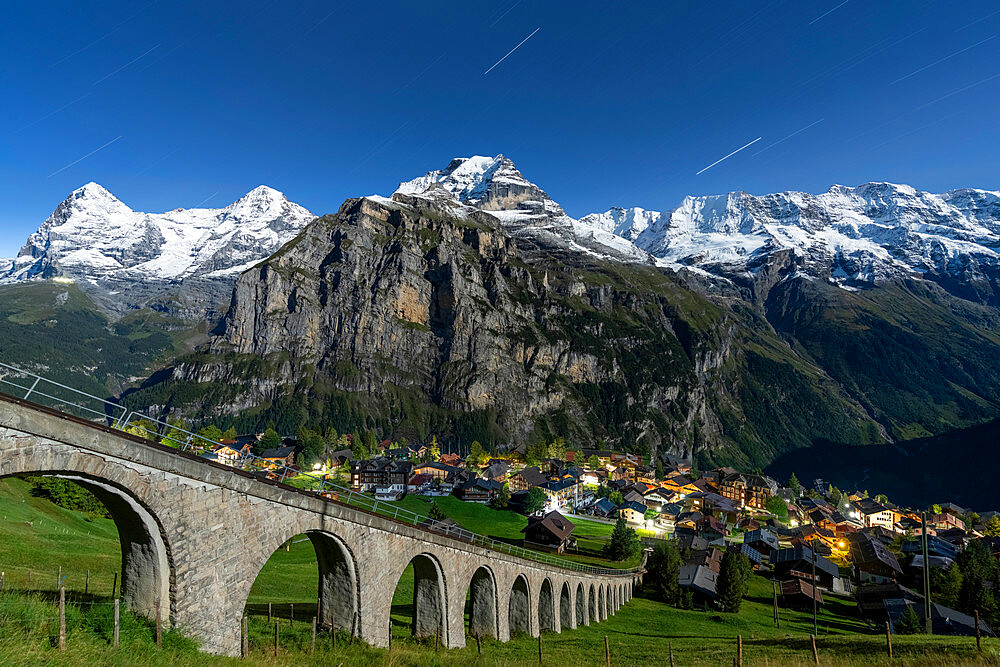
(195, 535)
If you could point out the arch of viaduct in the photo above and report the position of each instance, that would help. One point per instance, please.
(195, 535)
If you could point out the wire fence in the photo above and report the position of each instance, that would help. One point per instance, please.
(135, 422)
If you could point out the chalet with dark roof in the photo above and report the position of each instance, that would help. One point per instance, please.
(526, 478)
(873, 560)
(798, 562)
(763, 540)
(552, 532)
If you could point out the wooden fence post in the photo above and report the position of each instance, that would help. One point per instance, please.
(114, 587)
(268, 612)
(812, 638)
(86, 585)
(312, 649)
(774, 589)
(670, 647)
(390, 633)
(276, 639)
(291, 614)
(3, 575)
(159, 629)
(245, 637)
(739, 650)
(539, 647)
(888, 640)
(59, 578)
(479, 645)
(607, 652)
(62, 618)
(117, 622)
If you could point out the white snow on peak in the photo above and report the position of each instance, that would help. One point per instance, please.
(489, 183)
(94, 236)
(494, 185)
(858, 234)
(627, 223)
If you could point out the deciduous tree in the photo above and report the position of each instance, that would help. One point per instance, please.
(534, 501)
(501, 499)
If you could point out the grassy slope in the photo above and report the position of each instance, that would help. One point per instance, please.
(641, 633)
(39, 536)
(58, 329)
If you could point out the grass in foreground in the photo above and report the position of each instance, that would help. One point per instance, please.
(35, 533)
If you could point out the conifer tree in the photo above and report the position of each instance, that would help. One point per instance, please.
(734, 579)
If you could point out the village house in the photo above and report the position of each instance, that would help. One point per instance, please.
(876, 514)
(496, 471)
(633, 512)
(450, 459)
(435, 470)
(279, 457)
(700, 580)
(710, 528)
(231, 452)
(526, 478)
(945, 520)
(674, 463)
(645, 474)
(654, 499)
(624, 470)
(708, 557)
(873, 561)
(751, 491)
(603, 455)
(763, 540)
(478, 490)
(381, 473)
(680, 484)
(603, 507)
(340, 457)
(561, 492)
(799, 594)
(798, 562)
(935, 547)
(552, 532)
(755, 557)
(594, 477)
(419, 483)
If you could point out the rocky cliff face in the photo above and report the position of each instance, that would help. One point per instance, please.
(470, 306)
(422, 315)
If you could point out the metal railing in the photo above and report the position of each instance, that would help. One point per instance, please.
(67, 399)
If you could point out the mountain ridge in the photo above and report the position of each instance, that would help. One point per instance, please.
(128, 259)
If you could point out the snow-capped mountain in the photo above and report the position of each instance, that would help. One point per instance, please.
(125, 258)
(627, 223)
(494, 185)
(852, 236)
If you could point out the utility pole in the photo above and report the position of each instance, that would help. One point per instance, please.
(928, 625)
(812, 549)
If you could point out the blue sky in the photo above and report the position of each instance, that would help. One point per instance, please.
(608, 103)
